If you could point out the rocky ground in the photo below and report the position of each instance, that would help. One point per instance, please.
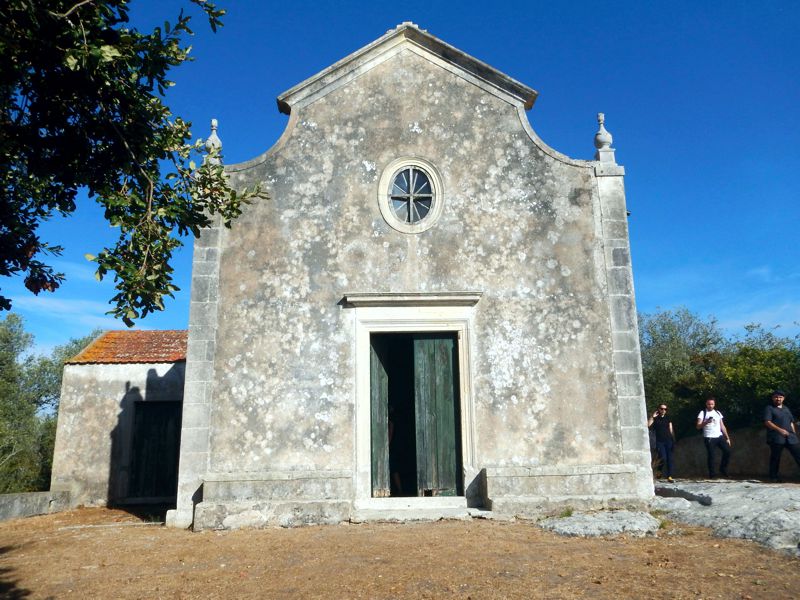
(766, 513)
(99, 553)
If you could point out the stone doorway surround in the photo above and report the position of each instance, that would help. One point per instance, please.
(406, 313)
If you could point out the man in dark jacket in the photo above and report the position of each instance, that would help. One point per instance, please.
(781, 433)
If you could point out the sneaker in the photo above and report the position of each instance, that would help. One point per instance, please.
(670, 479)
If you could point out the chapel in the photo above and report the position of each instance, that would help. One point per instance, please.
(432, 314)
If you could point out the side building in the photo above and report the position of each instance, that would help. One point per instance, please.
(119, 420)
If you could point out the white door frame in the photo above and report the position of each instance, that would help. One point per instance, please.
(405, 313)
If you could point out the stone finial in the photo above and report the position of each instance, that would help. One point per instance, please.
(602, 139)
(405, 24)
(602, 142)
(213, 143)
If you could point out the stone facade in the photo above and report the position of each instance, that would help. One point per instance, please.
(524, 259)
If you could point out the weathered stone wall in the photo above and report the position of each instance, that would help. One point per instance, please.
(556, 403)
(519, 225)
(16, 506)
(95, 425)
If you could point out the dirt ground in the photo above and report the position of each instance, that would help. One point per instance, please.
(99, 553)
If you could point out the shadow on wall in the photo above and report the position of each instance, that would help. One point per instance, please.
(8, 586)
(121, 445)
(146, 439)
(749, 456)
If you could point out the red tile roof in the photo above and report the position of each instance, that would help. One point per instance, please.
(134, 346)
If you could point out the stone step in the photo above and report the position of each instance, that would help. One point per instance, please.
(365, 515)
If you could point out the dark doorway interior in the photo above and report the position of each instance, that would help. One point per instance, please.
(402, 442)
(415, 401)
(156, 445)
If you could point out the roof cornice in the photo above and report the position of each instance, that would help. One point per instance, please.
(405, 34)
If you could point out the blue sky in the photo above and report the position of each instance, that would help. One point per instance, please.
(702, 98)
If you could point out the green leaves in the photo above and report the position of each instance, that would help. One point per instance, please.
(82, 106)
(30, 387)
(107, 53)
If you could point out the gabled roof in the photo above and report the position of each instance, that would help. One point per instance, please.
(136, 346)
(410, 36)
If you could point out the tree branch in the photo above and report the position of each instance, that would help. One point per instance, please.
(8, 457)
(71, 10)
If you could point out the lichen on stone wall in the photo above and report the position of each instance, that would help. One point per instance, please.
(517, 225)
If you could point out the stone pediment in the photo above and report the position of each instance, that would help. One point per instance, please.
(407, 36)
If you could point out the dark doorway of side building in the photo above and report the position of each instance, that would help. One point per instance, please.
(415, 414)
(155, 451)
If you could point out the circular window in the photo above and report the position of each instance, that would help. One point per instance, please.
(410, 195)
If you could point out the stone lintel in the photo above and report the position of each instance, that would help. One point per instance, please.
(412, 299)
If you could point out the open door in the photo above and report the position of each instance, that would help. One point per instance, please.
(379, 426)
(415, 422)
(435, 410)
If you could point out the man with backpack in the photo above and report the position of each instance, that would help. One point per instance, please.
(715, 436)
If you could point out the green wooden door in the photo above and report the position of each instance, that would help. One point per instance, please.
(379, 417)
(435, 398)
(156, 445)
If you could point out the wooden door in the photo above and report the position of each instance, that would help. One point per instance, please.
(435, 401)
(379, 417)
(156, 445)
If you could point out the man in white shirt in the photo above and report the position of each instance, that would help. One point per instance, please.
(714, 436)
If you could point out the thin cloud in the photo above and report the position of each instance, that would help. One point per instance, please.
(54, 320)
(66, 312)
(735, 297)
(784, 315)
(669, 286)
(763, 273)
(76, 271)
